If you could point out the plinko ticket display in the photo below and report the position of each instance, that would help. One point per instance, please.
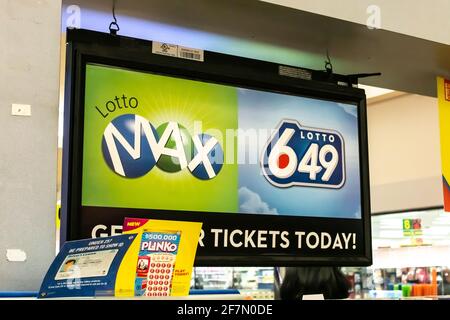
(154, 258)
(165, 254)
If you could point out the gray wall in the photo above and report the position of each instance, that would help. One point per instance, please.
(29, 74)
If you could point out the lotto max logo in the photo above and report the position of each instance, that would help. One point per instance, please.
(301, 156)
(132, 147)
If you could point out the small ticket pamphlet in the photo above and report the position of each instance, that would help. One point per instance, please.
(86, 268)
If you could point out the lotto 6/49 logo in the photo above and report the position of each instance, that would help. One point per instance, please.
(301, 156)
(131, 147)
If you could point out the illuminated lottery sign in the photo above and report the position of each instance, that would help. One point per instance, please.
(274, 167)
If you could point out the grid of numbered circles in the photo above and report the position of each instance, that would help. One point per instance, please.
(160, 275)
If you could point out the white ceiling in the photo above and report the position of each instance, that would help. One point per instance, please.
(422, 19)
(280, 34)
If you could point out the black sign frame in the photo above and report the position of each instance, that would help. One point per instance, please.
(84, 46)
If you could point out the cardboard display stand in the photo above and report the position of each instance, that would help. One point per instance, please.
(133, 264)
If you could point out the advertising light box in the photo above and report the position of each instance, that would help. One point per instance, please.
(273, 165)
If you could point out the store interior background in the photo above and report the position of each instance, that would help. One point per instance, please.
(404, 150)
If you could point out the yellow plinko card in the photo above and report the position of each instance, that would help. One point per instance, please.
(159, 262)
